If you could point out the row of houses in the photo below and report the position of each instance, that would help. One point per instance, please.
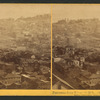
(89, 80)
(9, 79)
(11, 74)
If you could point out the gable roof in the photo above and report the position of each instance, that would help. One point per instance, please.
(85, 73)
(95, 76)
(12, 75)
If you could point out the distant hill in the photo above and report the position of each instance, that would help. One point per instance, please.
(32, 33)
(82, 33)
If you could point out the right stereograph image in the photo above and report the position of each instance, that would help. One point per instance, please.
(76, 46)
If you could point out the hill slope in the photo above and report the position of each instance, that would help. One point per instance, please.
(83, 33)
(32, 33)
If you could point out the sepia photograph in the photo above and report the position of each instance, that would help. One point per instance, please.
(25, 46)
(76, 47)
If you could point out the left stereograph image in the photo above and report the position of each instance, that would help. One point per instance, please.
(25, 39)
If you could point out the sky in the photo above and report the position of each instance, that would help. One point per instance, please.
(59, 11)
(75, 11)
(23, 10)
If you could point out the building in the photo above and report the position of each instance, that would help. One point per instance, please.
(6, 66)
(2, 86)
(14, 86)
(73, 63)
(89, 79)
(82, 59)
(10, 79)
(76, 63)
(76, 57)
(2, 73)
(57, 59)
(70, 50)
(44, 69)
(41, 77)
(25, 85)
(94, 79)
(43, 85)
(59, 85)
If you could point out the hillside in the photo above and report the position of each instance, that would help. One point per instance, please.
(82, 33)
(31, 33)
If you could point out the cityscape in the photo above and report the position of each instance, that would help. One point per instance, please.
(26, 59)
(25, 55)
(76, 47)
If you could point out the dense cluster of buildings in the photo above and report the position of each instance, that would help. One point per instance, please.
(72, 57)
(74, 61)
(29, 74)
